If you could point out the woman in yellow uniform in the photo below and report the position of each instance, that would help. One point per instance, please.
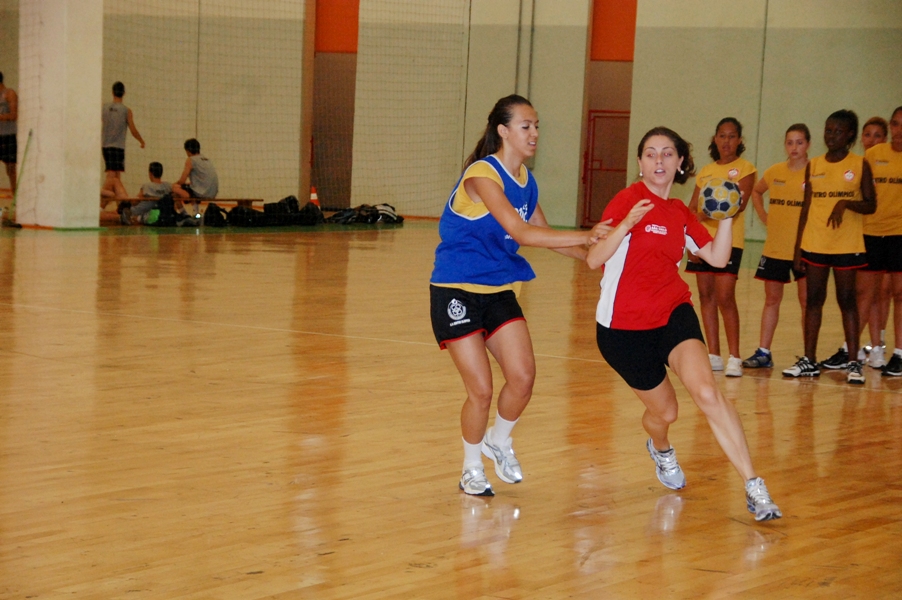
(839, 188)
(883, 233)
(717, 287)
(785, 184)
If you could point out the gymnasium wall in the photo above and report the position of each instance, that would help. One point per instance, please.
(769, 63)
(9, 43)
(228, 72)
(409, 103)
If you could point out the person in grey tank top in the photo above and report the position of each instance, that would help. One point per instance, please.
(116, 118)
(9, 113)
(199, 179)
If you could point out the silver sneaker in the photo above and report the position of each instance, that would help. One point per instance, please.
(667, 467)
(473, 482)
(507, 467)
(876, 358)
(716, 362)
(758, 501)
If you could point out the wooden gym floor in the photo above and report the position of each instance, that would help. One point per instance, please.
(264, 414)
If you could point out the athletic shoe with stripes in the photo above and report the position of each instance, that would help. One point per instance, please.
(840, 360)
(473, 482)
(507, 467)
(802, 368)
(666, 466)
(854, 374)
(894, 367)
(758, 501)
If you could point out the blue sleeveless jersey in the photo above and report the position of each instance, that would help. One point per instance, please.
(477, 249)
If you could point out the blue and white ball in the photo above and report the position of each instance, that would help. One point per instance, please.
(720, 199)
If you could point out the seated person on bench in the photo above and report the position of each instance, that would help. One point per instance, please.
(199, 179)
(150, 192)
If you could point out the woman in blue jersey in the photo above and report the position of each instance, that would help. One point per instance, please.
(491, 212)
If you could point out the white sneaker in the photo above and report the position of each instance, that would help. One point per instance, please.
(863, 354)
(473, 482)
(734, 367)
(716, 362)
(877, 357)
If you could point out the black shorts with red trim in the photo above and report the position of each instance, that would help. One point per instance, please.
(777, 269)
(884, 253)
(457, 314)
(835, 261)
(732, 267)
(641, 356)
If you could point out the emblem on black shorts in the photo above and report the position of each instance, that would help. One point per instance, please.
(456, 310)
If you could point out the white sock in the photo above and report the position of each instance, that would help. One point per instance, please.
(845, 346)
(502, 429)
(898, 351)
(472, 454)
(764, 350)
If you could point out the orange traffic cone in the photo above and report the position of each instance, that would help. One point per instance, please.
(313, 197)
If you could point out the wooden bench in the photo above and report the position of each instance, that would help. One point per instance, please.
(249, 202)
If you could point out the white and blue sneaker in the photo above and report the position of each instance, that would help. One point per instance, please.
(507, 467)
(758, 501)
(759, 360)
(474, 482)
(667, 468)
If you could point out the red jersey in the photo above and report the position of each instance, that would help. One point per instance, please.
(642, 284)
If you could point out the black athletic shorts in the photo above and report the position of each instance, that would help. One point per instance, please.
(191, 193)
(884, 253)
(8, 148)
(457, 314)
(732, 267)
(114, 158)
(777, 269)
(836, 261)
(640, 357)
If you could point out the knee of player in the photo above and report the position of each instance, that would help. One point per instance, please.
(708, 397)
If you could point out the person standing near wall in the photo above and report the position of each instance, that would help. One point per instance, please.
(785, 185)
(9, 114)
(883, 236)
(717, 286)
(839, 189)
(116, 118)
(873, 286)
(492, 211)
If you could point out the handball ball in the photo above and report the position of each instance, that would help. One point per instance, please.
(720, 199)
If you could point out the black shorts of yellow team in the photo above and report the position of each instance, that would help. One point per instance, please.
(8, 148)
(732, 267)
(641, 357)
(835, 261)
(114, 158)
(777, 269)
(884, 253)
(457, 314)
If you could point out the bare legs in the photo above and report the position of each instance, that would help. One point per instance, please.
(718, 293)
(112, 187)
(770, 316)
(689, 363)
(11, 173)
(512, 348)
(845, 297)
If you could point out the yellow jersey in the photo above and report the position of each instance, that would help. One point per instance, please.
(886, 166)
(786, 193)
(830, 183)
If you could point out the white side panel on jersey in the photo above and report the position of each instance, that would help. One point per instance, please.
(613, 271)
